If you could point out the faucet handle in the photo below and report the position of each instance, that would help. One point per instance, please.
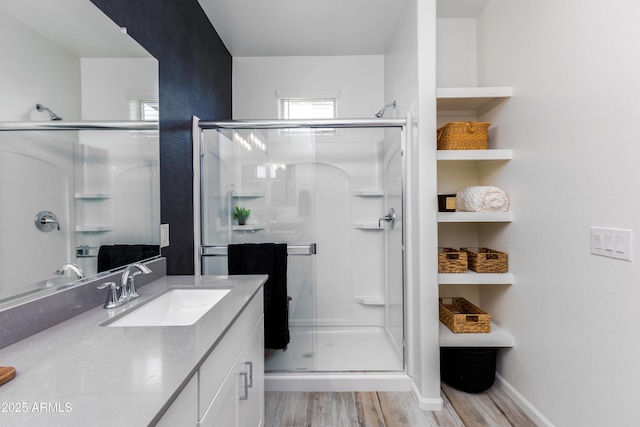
(112, 296)
(132, 285)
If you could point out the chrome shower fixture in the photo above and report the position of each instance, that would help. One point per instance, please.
(69, 267)
(53, 115)
(380, 113)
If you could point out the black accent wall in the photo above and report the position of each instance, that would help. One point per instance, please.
(195, 80)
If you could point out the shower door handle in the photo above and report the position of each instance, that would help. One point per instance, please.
(390, 218)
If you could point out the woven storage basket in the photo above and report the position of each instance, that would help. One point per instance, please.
(483, 260)
(463, 136)
(462, 317)
(451, 261)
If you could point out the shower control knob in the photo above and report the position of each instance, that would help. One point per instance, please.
(389, 218)
(46, 221)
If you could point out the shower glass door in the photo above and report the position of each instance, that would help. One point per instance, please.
(394, 241)
(329, 187)
(267, 172)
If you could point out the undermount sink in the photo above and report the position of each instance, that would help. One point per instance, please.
(176, 307)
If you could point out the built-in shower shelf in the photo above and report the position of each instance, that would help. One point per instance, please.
(498, 337)
(94, 196)
(367, 226)
(248, 195)
(473, 278)
(93, 228)
(369, 300)
(250, 228)
(86, 251)
(368, 193)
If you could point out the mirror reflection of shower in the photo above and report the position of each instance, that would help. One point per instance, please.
(380, 114)
(53, 115)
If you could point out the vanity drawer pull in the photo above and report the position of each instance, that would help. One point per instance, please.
(245, 385)
(250, 364)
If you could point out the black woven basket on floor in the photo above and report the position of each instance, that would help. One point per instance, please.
(472, 370)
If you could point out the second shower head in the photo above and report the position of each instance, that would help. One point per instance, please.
(380, 113)
(53, 115)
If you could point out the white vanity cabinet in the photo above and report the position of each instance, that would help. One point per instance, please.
(230, 382)
(240, 399)
(184, 410)
(235, 364)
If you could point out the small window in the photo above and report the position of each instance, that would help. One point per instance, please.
(144, 110)
(301, 105)
(307, 108)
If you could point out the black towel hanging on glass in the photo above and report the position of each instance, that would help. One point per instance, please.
(271, 259)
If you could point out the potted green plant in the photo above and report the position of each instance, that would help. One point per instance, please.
(241, 214)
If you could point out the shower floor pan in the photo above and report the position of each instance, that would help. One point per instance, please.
(337, 349)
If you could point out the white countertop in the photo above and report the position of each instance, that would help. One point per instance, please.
(78, 373)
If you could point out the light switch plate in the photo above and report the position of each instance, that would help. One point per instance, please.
(612, 242)
(164, 235)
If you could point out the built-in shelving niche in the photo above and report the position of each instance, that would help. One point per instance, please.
(468, 101)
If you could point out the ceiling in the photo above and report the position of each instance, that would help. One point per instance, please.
(77, 25)
(304, 27)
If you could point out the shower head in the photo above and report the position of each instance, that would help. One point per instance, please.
(53, 115)
(380, 113)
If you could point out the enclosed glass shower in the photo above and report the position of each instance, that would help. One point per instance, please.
(333, 192)
(70, 189)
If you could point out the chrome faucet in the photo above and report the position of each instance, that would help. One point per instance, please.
(112, 296)
(66, 267)
(121, 293)
(128, 284)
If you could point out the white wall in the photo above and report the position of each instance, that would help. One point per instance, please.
(410, 79)
(34, 70)
(358, 78)
(109, 83)
(48, 75)
(572, 123)
(456, 64)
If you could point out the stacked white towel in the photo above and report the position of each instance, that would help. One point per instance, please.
(482, 199)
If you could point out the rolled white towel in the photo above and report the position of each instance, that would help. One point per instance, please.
(482, 199)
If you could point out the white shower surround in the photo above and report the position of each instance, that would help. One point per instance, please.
(76, 89)
(360, 81)
(23, 84)
(343, 285)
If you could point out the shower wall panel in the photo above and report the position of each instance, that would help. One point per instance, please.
(36, 173)
(34, 166)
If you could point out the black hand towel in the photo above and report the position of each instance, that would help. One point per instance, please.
(271, 259)
(112, 256)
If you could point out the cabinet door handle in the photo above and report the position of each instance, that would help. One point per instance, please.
(245, 385)
(250, 364)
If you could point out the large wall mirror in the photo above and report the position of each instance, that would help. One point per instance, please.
(84, 197)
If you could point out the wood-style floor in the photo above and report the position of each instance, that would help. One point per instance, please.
(391, 409)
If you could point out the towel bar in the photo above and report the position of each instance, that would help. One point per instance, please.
(212, 250)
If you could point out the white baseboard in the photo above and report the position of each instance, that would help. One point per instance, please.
(428, 404)
(522, 403)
